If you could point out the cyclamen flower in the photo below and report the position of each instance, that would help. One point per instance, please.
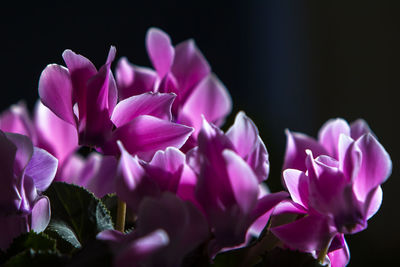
(26, 171)
(228, 186)
(338, 194)
(87, 99)
(167, 230)
(182, 70)
(166, 172)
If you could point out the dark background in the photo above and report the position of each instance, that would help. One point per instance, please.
(288, 64)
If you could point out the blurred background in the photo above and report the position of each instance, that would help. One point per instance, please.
(287, 64)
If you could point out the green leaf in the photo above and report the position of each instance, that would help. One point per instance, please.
(30, 257)
(77, 216)
(29, 241)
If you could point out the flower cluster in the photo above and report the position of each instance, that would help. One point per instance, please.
(189, 187)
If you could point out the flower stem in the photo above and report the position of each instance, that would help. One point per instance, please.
(121, 214)
(323, 252)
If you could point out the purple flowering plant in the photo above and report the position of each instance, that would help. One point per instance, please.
(162, 184)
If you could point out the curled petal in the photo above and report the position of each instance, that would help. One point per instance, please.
(210, 99)
(243, 181)
(55, 135)
(375, 168)
(329, 134)
(41, 168)
(41, 214)
(297, 184)
(17, 120)
(55, 91)
(80, 70)
(133, 80)
(340, 257)
(145, 135)
(296, 146)
(189, 67)
(160, 50)
(154, 104)
(307, 234)
(358, 128)
(24, 151)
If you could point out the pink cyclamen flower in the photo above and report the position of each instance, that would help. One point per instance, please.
(87, 99)
(182, 70)
(166, 172)
(334, 194)
(26, 171)
(227, 185)
(167, 229)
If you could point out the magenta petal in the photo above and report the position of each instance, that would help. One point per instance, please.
(41, 168)
(248, 144)
(376, 166)
(154, 104)
(307, 234)
(16, 120)
(24, 151)
(166, 168)
(55, 135)
(297, 184)
(210, 99)
(359, 128)
(142, 248)
(296, 146)
(111, 235)
(375, 202)
(340, 257)
(349, 157)
(41, 214)
(9, 196)
(160, 50)
(55, 91)
(144, 135)
(267, 203)
(243, 181)
(102, 178)
(133, 80)
(329, 135)
(81, 70)
(133, 184)
(189, 66)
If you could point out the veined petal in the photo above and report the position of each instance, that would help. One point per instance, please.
(154, 104)
(40, 216)
(296, 146)
(133, 80)
(375, 168)
(144, 135)
(55, 91)
(189, 67)
(160, 50)
(41, 168)
(210, 99)
(329, 134)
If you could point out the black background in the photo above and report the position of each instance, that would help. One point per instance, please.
(287, 64)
